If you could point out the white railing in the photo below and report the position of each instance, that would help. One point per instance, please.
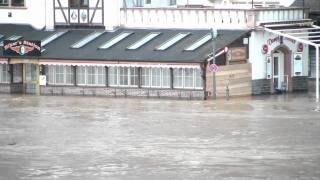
(283, 14)
(206, 17)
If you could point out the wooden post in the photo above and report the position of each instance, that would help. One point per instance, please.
(171, 78)
(75, 75)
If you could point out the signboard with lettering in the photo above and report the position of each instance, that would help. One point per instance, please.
(237, 54)
(21, 48)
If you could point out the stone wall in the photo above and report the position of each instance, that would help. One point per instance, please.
(122, 92)
(4, 88)
(300, 83)
(11, 88)
(261, 86)
(312, 84)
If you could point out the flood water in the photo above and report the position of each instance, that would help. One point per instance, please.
(97, 138)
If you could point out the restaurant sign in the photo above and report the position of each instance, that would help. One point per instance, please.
(21, 48)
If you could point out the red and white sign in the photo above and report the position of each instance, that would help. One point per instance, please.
(300, 47)
(213, 68)
(265, 49)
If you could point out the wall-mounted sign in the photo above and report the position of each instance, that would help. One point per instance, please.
(237, 54)
(269, 67)
(300, 47)
(265, 49)
(21, 48)
(279, 39)
(42, 80)
(297, 64)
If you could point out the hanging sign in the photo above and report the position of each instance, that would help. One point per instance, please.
(21, 48)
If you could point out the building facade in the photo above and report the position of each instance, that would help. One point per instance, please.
(106, 48)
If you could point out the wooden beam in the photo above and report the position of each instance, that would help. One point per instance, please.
(64, 15)
(94, 12)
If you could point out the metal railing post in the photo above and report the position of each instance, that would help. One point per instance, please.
(317, 73)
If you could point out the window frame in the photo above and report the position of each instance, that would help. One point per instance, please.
(172, 2)
(150, 75)
(183, 79)
(10, 4)
(62, 70)
(78, 4)
(95, 74)
(131, 72)
(4, 69)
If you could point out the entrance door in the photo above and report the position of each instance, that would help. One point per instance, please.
(279, 78)
(31, 78)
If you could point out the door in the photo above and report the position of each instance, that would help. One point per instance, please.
(31, 78)
(279, 78)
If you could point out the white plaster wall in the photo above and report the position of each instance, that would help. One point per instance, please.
(33, 13)
(49, 15)
(111, 14)
(258, 59)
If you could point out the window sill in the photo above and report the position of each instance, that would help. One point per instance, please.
(155, 88)
(87, 85)
(13, 7)
(123, 86)
(60, 85)
(189, 89)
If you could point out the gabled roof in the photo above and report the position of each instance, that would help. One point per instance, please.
(61, 48)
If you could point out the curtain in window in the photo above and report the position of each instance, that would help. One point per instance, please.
(4, 73)
(91, 75)
(187, 78)
(60, 75)
(113, 76)
(178, 78)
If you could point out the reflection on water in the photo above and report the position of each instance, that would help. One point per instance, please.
(102, 138)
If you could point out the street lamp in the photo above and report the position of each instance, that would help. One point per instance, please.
(214, 34)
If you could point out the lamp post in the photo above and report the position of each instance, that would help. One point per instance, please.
(214, 34)
(252, 4)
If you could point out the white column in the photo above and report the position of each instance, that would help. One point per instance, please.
(49, 13)
(317, 73)
(111, 14)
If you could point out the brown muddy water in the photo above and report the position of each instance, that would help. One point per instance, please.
(94, 138)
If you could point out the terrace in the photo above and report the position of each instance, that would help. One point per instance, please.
(207, 17)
